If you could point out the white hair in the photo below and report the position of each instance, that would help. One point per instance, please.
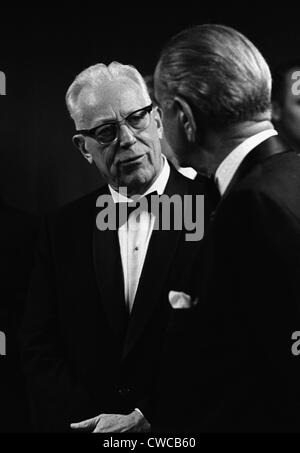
(96, 75)
(219, 72)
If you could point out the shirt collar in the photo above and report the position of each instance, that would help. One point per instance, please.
(158, 186)
(230, 164)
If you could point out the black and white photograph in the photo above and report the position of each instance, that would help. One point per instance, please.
(150, 222)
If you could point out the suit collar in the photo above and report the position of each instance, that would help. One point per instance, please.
(109, 274)
(268, 148)
(159, 258)
(230, 164)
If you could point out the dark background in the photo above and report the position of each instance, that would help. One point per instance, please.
(42, 50)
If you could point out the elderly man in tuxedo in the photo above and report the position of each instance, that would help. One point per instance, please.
(98, 304)
(214, 88)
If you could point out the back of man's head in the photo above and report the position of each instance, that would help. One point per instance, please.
(219, 72)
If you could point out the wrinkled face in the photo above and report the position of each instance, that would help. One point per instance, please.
(134, 159)
(289, 120)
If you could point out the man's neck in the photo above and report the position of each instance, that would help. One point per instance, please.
(294, 143)
(219, 144)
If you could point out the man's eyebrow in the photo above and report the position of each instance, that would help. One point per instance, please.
(104, 120)
(109, 119)
(136, 110)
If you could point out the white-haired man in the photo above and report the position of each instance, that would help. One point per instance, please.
(214, 88)
(98, 303)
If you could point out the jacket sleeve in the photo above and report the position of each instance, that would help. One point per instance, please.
(56, 397)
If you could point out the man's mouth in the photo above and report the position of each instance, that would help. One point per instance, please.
(132, 160)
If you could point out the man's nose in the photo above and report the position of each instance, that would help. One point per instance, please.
(126, 136)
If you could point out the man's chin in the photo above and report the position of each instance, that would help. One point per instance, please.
(135, 184)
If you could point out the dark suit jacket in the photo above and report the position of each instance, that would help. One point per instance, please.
(235, 346)
(82, 356)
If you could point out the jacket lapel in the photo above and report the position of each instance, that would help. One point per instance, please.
(161, 250)
(109, 277)
(270, 147)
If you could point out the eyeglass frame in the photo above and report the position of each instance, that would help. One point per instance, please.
(90, 132)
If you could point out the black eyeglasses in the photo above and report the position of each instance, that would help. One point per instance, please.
(108, 133)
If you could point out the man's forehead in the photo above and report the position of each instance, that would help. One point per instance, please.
(111, 99)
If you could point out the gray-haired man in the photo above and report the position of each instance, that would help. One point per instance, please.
(99, 297)
(214, 88)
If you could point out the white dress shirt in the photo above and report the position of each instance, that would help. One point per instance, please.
(134, 236)
(230, 164)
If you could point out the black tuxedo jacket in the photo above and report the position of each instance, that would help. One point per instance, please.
(82, 354)
(230, 357)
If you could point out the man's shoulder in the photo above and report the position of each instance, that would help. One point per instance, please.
(271, 186)
(280, 181)
(16, 221)
(277, 176)
(82, 208)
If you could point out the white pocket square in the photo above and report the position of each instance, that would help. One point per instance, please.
(179, 299)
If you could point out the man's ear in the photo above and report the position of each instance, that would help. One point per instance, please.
(186, 118)
(276, 111)
(79, 142)
(158, 120)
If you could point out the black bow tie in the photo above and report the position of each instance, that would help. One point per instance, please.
(144, 201)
